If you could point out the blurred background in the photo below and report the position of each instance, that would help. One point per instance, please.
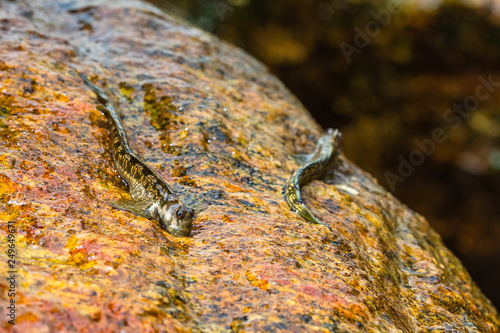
(389, 74)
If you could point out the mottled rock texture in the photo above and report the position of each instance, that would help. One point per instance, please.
(219, 128)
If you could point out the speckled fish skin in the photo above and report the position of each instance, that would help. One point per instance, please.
(151, 196)
(327, 150)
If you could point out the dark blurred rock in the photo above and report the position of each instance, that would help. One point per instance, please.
(218, 127)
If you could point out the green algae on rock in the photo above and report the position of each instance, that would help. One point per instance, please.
(218, 127)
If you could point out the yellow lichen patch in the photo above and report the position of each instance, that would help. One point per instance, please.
(183, 134)
(7, 186)
(255, 279)
(127, 90)
(7, 104)
(61, 97)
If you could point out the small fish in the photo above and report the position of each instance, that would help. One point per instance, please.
(151, 196)
(314, 166)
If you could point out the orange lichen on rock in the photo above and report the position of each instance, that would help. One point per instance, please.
(221, 130)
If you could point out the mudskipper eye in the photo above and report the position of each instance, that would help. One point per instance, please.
(181, 212)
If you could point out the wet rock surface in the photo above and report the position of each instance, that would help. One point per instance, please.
(220, 129)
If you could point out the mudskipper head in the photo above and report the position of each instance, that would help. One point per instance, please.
(176, 218)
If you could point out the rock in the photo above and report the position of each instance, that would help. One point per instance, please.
(219, 128)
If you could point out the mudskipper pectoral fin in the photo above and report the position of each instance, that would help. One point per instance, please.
(306, 213)
(302, 159)
(199, 206)
(138, 207)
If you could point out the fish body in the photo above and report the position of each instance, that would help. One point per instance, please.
(151, 196)
(314, 166)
